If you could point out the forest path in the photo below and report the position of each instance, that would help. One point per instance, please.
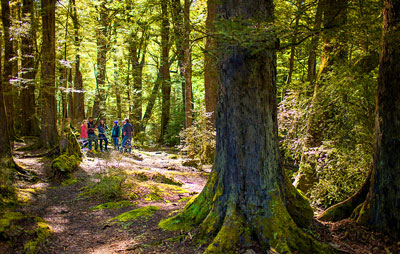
(77, 228)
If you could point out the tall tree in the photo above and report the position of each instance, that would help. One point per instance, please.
(165, 75)
(79, 96)
(30, 123)
(210, 70)
(5, 148)
(8, 66)
(377, 203)
(247, 196)
(49, 134)
(103, 46)
(187, 67)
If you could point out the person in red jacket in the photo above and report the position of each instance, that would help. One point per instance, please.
(84, 133)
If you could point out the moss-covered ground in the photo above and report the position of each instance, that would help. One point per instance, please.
(113, 203)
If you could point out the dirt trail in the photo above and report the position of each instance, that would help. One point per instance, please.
(78, 229)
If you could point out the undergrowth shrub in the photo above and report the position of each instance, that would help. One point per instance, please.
(346, 108)
(198, 141)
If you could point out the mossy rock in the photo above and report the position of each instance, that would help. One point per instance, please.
(141, 176)
(143, 212)
(195, 163)
(65, 165)
(160, 178)
(112, 205)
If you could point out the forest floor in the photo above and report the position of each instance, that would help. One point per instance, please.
(88, 212)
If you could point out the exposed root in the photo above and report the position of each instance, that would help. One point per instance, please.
(345, 209)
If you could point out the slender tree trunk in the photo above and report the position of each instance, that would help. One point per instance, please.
(71, 110)
(79, 96)
(99, 106)
(117, 87)
(49, 134)
(210, 68)
(151, 102)
(165, 75)
(312, 58)
(294, 41)
(247, 196)
(177, 17)
(188, 67)
(30, 123)
(8, 67)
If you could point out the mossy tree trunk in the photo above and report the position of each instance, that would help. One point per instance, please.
(380, 210)
(187, 64)
(49, 134)
(248, 197)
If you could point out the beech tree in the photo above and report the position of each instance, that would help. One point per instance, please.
(248, 193)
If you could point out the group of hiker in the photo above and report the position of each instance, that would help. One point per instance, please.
(90, 133)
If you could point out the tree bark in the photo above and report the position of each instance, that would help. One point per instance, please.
(49, 134)
(210, 68)
(312, 57)
(247, 196)
(79, 95)
(187, 67)
(30, 123)
(380, 210)
(103, 47)
(165, 75)
(151, 102)
(177, 18)
(5, 147)
(8, 66)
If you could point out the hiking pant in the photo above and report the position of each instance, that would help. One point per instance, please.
(126, 142)
(102, 138)
(92, 137)
(116, 143)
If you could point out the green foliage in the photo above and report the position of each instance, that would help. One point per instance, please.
(108, 187)
(345, 115)
(198, 141)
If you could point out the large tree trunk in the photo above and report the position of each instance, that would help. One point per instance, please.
(5, 147)
(210, 68)
(187, 67)
(247, 196)
(165, 75)
(49, 134)
(8, 66)
(380, 210)
(79, 96)
(29, 120)
(333, 52)
(99, 107)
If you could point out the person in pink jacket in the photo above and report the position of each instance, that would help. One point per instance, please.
(84, 133)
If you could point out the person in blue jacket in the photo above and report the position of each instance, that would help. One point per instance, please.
(102, 135)
(127, 130)
(116, 131)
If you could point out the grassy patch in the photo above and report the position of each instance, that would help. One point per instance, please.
(112, 205)
(69, 181)
(160, 178)
(108, 187)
